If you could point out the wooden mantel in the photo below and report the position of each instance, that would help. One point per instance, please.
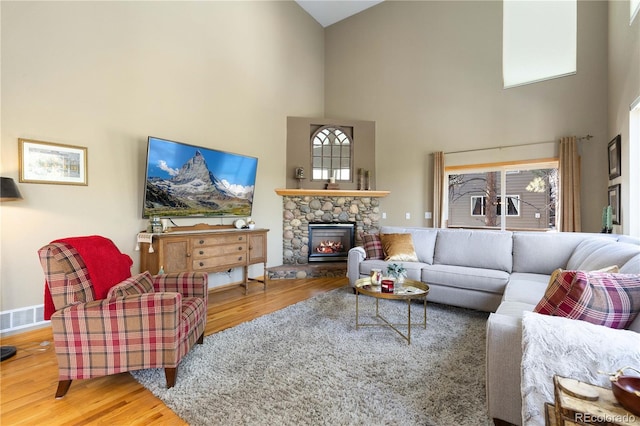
(330, 193)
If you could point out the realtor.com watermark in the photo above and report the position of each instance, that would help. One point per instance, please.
(604, 418)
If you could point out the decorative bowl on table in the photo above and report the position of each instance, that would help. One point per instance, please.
(626, 389)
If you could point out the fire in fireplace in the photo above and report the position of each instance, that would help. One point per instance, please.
(330, 242)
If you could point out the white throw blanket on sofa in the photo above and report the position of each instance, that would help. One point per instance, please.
(570, 348)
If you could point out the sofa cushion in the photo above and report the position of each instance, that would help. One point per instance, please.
(481, 279)
(592, 254)
(477, 249)
(542, 253)
(373, 246)
(632, 266)
(138, 284)
(398, 247)
(414, 269)
(514, 309)
(424, 241)
(629, 239)
(526, 288)
(611, 300)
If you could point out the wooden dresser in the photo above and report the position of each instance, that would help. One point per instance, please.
(207, 250)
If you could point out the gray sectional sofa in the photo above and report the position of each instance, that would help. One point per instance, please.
(505, 273)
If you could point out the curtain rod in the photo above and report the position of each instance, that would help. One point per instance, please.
(580, 138)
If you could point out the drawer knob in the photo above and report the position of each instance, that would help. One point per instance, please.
(240, 248)
(240, 258)
(201, 242)
(240, 238)
(201, 264)
(201, 252)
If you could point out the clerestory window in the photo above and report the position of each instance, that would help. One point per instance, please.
(331, 153)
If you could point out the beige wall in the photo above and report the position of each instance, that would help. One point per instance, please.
(430, 75)
(107, 75)
(299, 150)
(624, 88)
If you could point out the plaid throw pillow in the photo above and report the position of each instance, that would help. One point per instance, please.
(611, 300)
(557, 289)
(373, 246)
(138, 284)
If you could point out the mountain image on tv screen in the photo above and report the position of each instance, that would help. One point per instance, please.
(184, 181)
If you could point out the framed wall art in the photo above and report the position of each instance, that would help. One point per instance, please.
(614, 157)
(48, 162)
(614, 202)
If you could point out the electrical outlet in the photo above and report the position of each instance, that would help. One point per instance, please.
(384, 215)
(427, 215)
(537, 215)
(407, 215)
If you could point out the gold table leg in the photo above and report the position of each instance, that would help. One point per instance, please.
(407, 336)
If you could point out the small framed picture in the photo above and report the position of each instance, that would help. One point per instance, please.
(614, 202)
(48, 162)
(614, 158)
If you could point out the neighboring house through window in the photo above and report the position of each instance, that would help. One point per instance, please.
(478, 205)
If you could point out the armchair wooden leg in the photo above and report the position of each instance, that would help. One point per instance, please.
(201, 339)
(63, 387)
(170, 374)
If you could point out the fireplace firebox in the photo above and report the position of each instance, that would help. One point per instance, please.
(330, 242)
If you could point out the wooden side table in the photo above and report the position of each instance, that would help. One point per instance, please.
(570, 410)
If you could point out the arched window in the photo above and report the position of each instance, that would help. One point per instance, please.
(331, 152)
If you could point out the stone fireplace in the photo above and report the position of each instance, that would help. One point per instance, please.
(302, 207)
(330, 242)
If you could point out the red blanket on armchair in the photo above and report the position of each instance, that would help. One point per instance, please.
(106, 266)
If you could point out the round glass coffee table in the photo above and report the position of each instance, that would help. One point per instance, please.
(410, 290)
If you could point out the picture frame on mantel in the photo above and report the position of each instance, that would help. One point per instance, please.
(614, 154)
(614, 202)
(48, 162)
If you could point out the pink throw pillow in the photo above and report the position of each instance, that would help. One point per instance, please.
(611, 300)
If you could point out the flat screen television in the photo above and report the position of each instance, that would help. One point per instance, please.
(184, 180)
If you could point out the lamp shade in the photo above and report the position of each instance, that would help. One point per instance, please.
(9, 190)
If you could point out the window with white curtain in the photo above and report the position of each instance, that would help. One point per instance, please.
(539, 40)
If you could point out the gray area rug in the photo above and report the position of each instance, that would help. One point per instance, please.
(308, 365)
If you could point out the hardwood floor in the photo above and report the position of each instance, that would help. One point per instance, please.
(29, 379)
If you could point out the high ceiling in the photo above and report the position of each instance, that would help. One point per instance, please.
(328, 12)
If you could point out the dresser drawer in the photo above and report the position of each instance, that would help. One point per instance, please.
(218, 240)
(219, 262)
(220, 250)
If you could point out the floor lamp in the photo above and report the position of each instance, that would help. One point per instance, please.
(8, 192)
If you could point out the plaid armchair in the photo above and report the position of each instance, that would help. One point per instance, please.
(106, 321)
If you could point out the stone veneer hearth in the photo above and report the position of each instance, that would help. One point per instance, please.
(302, 207)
